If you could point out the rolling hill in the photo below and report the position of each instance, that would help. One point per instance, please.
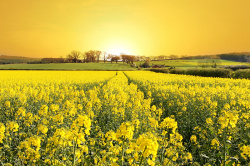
(6, 59)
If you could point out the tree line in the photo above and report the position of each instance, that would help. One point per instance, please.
(89, 56)
(95, 56)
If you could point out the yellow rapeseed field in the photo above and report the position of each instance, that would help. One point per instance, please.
(115, 118)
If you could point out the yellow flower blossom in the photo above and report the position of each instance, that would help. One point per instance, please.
(215, 142)
(193, 139)
(125, 131)
(12, 126)
(2, 131)
(169, 123)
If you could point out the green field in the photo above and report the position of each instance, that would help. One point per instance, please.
(69, 66)
(192, 63)
(184, 64)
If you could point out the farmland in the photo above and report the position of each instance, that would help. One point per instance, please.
(184, 64)
(122, 118)
(68, 66)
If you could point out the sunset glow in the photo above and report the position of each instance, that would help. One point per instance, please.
(142, 27)
(117, 51)
(118, 47)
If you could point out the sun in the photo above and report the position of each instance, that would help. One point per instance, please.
(118, 48)
(118, 51)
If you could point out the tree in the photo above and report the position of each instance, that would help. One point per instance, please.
(132, 58)
(105, 57)
(128, 58)
(90, 56)
(146, 64)
(173, 57)
(161, 57)
(124, 58)
(110, 56)
(115, 58)
(98, 53)
(144, 58)
(84, 57)
(74, 56)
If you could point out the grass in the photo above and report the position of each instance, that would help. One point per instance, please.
(183, 64)
(68, 66)
(191, 63)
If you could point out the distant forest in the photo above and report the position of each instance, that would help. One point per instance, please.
(244, 57)
(238, 57)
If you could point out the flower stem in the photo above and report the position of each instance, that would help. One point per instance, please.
(142, 156)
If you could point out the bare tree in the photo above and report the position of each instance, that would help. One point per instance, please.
(98, 53)
(90, 56)
(87, 55)
(74, 56)
(104, 56)
(84, 55)
(110, 56)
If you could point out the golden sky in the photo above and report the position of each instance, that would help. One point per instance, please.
(53, 28)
